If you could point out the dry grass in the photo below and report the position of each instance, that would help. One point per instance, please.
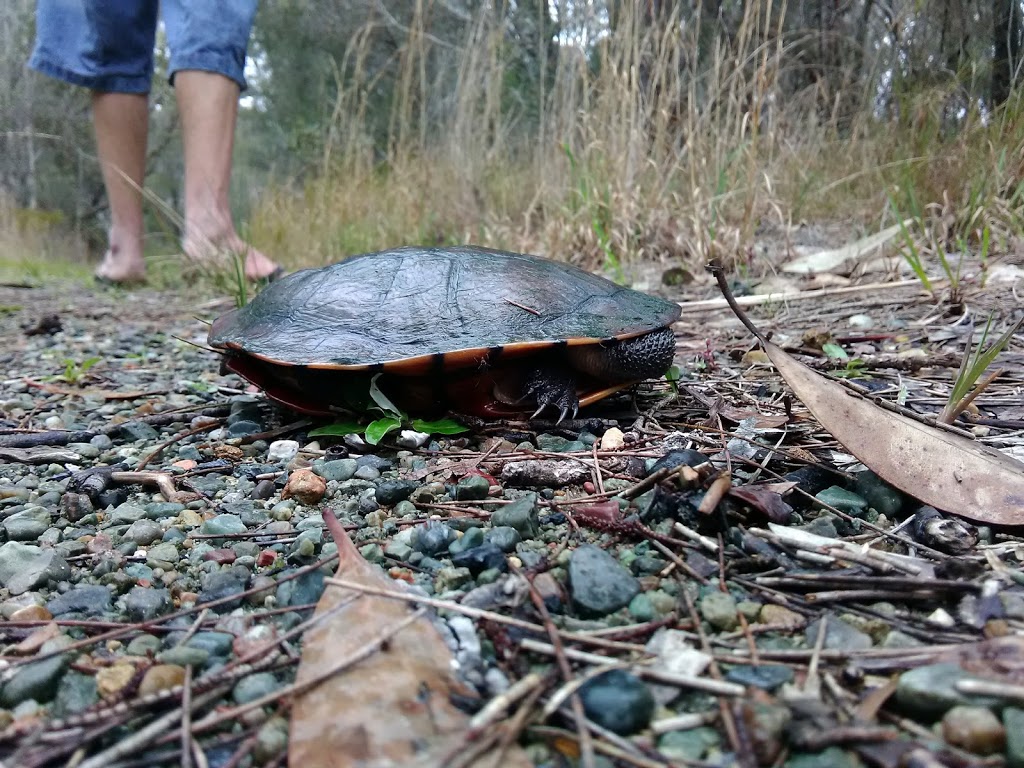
(678, 145)
(692, 163)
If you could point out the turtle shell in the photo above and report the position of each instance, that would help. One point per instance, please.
(426, 312)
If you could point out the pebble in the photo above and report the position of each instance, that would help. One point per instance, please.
(410, 439)
(144, 532)
(839, 635)
(521, 515)
(27, 525)
(161, 677)
(282, 451)
(598, 584)
(223, 525)
(689, 746)
(222, 584)
(880, 496)
(145, 603)
(976, 729)
(24, 567)
(110, 681)
(928, 692)
(390, 492)
(612, 439)
(843, 500)
(544, 473)
(83, 600)
(338, 470)
(433, 537)
(183, 656)
(271, 740)
(304, 590)
(75, 693)
(765, 676)
(305, 486)
(504, 537)
(37, 680)
(558, 444)
(254, 686)
(472, 488)
(719, 610)
(618, 701)
(1013, 722)
(482, 558)
(126, 513)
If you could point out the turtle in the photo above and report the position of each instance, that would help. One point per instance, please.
(465, 329)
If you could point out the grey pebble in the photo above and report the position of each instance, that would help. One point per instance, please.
(37, 680)
(521, 515)
(472, 488)
(183, 655)
(504, 537)
(84, 599)
(27, 525)
(125, 514)
(224, 524)
(144, 532)
(598, 583)
(390, 492)
(544, 473)
(433, 537)
(336, 469)
(145, 603)
(254, 686)
(24, 567)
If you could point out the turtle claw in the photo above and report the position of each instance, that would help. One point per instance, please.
(553, 388)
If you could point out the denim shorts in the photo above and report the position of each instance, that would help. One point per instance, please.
(107, 45)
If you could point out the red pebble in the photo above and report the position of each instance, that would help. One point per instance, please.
(223, 556)
(589, 487)
(266, 557)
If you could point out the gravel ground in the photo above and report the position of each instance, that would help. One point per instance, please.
(168, 520)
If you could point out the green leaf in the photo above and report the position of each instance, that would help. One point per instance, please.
(834, 351)
(439, 426)
(673, 374)
(376, 430)
(381, 399)
(337, 429)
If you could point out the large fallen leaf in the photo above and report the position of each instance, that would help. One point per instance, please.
(943, 469)
(824, 261)
(385, 696)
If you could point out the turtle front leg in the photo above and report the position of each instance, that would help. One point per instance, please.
(552, 387)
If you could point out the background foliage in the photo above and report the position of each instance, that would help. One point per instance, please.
(596, 130)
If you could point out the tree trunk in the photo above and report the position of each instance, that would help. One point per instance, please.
(1006, 44)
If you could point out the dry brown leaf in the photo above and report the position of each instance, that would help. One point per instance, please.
(385, 696)
(945, 470)
(939, 468)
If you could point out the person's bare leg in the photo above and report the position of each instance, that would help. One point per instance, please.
(121, 122)
(209, 109)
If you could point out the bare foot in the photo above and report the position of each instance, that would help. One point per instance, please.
(122, 265)
(257, 265)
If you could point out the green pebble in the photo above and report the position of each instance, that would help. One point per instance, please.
(843, 500)
(719, 610)
(474, 537)
(448, 579)
(143, 645)
(183, 655)
(692, 744)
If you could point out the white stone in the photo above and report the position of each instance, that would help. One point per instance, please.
(410, 438)
(612, 439)
(282, 451)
